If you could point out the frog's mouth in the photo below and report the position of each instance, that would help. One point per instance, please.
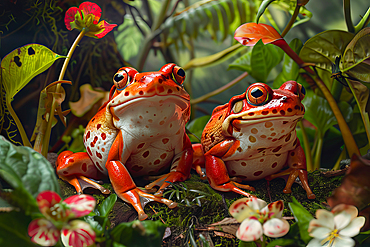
(233, 122)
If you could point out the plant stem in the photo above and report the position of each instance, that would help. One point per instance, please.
(46, 140)
(347, 15)
(291, 21)
(341, 157)
(319, 146)
(219, 90)
(346, 132)
(307, 147)
(21, 130)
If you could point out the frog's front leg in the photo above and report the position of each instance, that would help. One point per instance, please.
(77, 167)
(122, 182)
(180, 168)
(217, 174)
(297, 168)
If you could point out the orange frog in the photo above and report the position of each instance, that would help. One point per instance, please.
(253, 137)
(140, 131)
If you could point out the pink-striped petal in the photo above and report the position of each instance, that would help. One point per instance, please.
(249, 230)
(276, 227)
(70, 17)
(46, 200)
(274, 209)
(256, 203)
(43, 232)
(240, 209)
(78, 233)
(80, 205)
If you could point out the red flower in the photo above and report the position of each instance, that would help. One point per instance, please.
(57, 222)
(87, 16)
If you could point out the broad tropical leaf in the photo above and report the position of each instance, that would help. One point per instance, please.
(323, 48)
(24, 63)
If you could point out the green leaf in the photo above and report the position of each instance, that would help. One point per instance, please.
(196, 127)
(262, 8)
(281, 242)
(319, 113)
(323, 48)
(247, 244)
(362, 236)
(243, 63)
(290, 69)
(356, 57)
(302, 217)
(138, 233)
(263, 59)
(106, 206)
(27, 172)
(13, 229)
(23, 64)
(129, 38)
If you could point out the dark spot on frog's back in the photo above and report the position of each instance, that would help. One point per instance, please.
(31, 51)
(17, 61)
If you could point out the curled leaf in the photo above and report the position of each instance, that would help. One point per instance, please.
(250, 33)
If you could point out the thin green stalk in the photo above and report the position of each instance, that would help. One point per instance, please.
(340, 158)
(364, 115)
(336, 90)
(53, 104)
(291, 21)
(347, 15)
(320, 143)
(21, 130)
(307, 147)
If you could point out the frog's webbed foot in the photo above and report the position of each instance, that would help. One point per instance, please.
(126, 189)
(172, 177)
(81, 182)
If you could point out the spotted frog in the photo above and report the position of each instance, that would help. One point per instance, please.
(254, 137)
(140, 131)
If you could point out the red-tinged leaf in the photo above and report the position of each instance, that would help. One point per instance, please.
(43, 232)
(80, 205)
(78, 233)
(250, 33)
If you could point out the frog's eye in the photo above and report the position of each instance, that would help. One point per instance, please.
(302, 91)
(238, 106)
(258, 94)
(121, 79)
(178, 75)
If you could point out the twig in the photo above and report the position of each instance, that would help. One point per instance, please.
(157, 214)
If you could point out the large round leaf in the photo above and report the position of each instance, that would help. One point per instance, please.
(356, 57)
(323, 48)
(24, 63)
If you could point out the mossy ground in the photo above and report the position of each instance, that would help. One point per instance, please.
(194, 217)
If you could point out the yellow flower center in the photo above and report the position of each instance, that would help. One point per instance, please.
(328, 241)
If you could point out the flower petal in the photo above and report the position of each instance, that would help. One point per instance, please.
(91, 8)
(78, 233)
(342, 219)
(354, 227)
(70, 17)
(245, 207)
(80, 205)
(43, 232)
(274, 209)
(343, 242)
(324, 219)
(344, 209)
(249, 230)
(106, 28)
(319, 232)
(314, 243)
(46, 200)
(276, 227)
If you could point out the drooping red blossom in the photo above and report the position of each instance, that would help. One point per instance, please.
(87, 16)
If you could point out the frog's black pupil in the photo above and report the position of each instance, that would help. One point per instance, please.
(256, 93)
(181, 72)
(118, 77)
(303, 90)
